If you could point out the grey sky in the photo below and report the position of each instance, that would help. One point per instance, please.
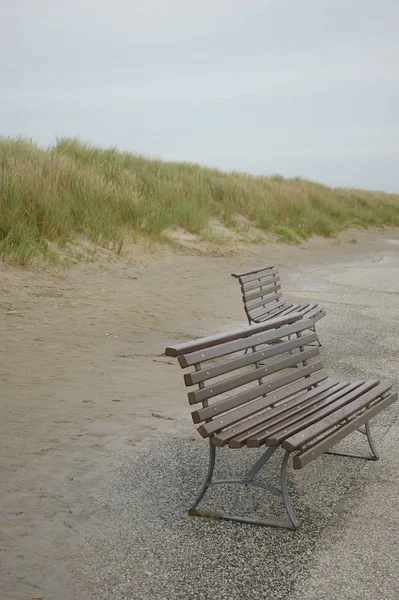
(296, 87)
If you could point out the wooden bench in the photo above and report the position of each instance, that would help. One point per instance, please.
(255, 392)
(262, 298)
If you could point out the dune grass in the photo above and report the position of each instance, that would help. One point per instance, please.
(48, 196)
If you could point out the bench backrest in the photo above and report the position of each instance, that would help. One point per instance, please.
(260, 290)
(244, 372)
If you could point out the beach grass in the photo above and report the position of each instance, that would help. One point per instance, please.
(49, 196)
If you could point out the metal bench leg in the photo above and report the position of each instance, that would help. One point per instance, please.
(371, 442)
(284, 489)
(249, 480)
(366, 431)
(205, 487)
(318, 341)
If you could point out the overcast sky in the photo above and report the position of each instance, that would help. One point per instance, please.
(296, 87)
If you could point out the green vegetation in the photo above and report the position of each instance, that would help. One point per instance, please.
(49, 196)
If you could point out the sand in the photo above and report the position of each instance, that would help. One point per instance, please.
(84, 376)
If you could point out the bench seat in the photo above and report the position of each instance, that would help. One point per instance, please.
(253, 392)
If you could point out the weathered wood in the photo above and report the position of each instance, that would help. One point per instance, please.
(289, 308)
(248, 408)
(259, 275)
(261, 317)
(259, 311)
(275, 331)
(318, 316)
(252, 271)
(338, 434)
(263, 301)
(247, 359)
(264, 291)
(304, 377)
(318, 312)
(278, 394)
(234, 334)
(271, 406)
(273, 436)
(309, 311)
(334, 418)
(307, 308)
(248, 287)
(288, 407)
(226, 385)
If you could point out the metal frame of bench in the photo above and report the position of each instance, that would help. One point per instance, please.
(265, 386)
(262, 298)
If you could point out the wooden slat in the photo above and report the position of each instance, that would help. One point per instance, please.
(259, 275)
(317, 310)
(251, 271)
(273, 436)
(353, 390)
(289, 308)
(215, 389)
(302, 307)
(247, 359)
(310, 311)
(333, 418)
(270, 289)
(248, 287)
(262, 316)
(233, 334)
(308, 308)
(275, 332)
(249, 408)
(318, 316)
(275, 384)
(283, 410)
(256, 304)
(236, 435)
(341, 432)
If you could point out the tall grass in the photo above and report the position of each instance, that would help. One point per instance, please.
(70, 188)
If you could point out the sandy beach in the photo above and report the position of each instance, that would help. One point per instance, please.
(97, 445)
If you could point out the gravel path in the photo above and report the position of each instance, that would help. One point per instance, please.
(347, 547)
